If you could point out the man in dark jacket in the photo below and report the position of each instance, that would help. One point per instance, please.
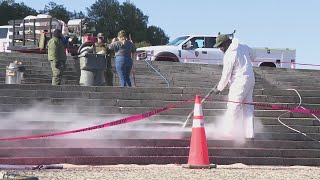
(57, 56)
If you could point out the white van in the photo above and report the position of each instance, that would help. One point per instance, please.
(4, 38)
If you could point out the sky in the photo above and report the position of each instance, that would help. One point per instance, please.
(273, 23)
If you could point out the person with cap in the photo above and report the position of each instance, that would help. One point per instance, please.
(101, 48)
(57, 56)
(238, 72)
(43, 40)
(100, 44)
(123, 61)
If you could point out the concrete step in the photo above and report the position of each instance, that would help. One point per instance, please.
(42, 80)
(171, 119)
(145, 160)
(14, 55)
(34, 63)
(283, 129)
(288, 121)
(284, 76)
(180, 90)
(54, 119)
(105, 143)
(174, 90)
(45, 68)
(123, 109)
(11, 101)
(187, 82)
(154, 63)
(74, 107)
(303, 93)
(286, 136)
(143, 96)
(28, 123)
(38, 152)
(142, 133)
(80, 110)
(23, 116)
(29, 77)
(297, 87)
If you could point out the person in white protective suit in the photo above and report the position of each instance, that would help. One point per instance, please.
(238, 72)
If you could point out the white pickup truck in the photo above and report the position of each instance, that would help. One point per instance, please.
(199, 49)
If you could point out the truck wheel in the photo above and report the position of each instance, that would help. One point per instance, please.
(165, 59)
(267, 64)
(169, 57)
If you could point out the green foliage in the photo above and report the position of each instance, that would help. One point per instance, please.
(10, 10)
(142, 44)
(109, 15)
(157, 36)
(133, 21)
(106, 15)
(57, 11)
(7, 1)
(77, 15)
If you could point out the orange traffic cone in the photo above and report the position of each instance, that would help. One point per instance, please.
(198, 155)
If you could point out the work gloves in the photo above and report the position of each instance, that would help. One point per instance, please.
(215, 90)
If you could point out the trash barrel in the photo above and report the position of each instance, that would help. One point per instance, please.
(14, 73)
(92, 68)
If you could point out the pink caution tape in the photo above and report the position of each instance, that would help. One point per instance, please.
(139, 117)
(296, 110)
(109, 124)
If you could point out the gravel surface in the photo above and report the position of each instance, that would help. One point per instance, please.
(176, 172)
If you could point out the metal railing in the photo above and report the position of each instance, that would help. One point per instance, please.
(155, 70)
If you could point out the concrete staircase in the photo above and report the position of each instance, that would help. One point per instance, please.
(38, 108)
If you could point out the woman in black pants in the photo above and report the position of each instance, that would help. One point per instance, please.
(123, 61)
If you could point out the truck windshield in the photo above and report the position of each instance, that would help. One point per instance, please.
(3, 33)
(178, 40)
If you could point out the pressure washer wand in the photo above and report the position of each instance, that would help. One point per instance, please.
(191, 113)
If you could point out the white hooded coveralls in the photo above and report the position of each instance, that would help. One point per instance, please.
(238, 72)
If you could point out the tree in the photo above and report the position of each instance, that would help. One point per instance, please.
(57, 11)
(142, 44)
(156, 36)
(133, 21)
(10, 10)
(106, 13)
(7, 1)
(111, 17)
(77, 15)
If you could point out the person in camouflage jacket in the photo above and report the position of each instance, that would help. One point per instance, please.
(102, 48)
(57, 56)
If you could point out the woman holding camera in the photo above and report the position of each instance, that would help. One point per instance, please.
(123, 61)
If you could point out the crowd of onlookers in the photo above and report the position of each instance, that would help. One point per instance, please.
(121, 46)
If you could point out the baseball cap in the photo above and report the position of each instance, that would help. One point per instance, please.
(100, 35)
